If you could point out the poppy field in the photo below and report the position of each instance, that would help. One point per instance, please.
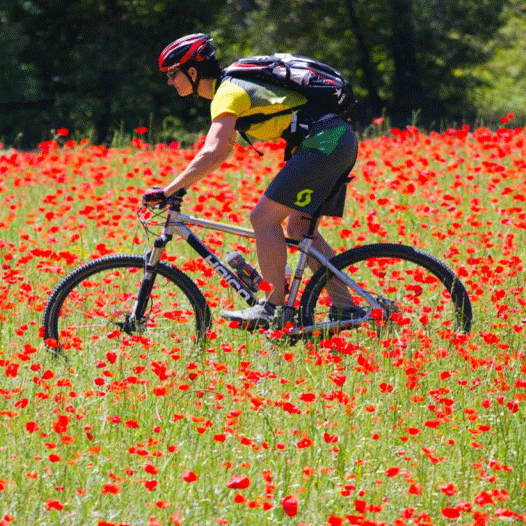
(406, 428)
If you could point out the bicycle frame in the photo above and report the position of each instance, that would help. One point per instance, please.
(178, 224)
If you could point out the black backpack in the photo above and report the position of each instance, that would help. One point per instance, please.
(321, 85)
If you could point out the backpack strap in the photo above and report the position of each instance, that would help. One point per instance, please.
(243, 124)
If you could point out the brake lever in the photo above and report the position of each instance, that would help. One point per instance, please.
(175, 199)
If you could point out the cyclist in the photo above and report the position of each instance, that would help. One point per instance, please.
(319, 154)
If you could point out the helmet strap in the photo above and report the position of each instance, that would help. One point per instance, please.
(194, 84)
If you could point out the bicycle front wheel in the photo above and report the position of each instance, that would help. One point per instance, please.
(419, 291)
(90, 309)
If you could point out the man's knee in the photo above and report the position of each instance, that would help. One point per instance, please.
(297, 226)
(256, 218)
(268, 214)
(261, 220)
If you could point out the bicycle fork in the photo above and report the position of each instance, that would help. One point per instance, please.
(137, 318)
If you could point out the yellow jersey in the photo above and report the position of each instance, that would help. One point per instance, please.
(241, 98)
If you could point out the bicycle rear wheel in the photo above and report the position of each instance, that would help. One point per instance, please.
(90, 309)
(419, 290)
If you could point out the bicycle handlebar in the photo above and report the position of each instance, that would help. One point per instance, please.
(176, 198)
(174, 201)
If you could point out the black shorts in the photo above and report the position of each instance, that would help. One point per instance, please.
(321, 161)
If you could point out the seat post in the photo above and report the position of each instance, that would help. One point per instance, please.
(313, 223)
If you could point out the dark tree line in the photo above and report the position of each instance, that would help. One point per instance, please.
(91, 65)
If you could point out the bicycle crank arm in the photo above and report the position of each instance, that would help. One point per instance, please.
(328, 326)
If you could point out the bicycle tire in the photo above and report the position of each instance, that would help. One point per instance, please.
(406, 277)
(104, 291)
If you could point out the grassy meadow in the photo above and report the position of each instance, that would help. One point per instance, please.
(411, 429)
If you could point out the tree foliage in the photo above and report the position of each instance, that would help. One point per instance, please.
(91, 65)
(403, 55)
(502, 78)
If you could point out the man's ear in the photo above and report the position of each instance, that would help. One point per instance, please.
(193, 73)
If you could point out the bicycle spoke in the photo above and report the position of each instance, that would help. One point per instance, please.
(410, 292)
(91, 310)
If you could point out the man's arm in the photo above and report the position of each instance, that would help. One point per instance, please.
(218, 144)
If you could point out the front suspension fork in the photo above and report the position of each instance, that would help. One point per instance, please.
(150, 273)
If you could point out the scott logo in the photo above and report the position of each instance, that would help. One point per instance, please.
(304, 197)
(227, 275)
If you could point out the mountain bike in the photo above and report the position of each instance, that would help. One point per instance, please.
(142, 299)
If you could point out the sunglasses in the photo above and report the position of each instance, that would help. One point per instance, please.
(172, 74)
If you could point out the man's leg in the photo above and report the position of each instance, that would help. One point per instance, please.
(266, 219)
(296, 229)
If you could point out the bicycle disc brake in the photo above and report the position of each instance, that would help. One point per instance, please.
(131, 325)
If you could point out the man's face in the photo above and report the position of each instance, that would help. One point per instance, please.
(180, 82)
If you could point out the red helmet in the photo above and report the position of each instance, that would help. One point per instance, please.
(189, 50)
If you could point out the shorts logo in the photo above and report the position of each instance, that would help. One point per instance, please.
(303, 197)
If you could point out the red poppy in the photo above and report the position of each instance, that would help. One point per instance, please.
(335, 520)
(54, 504)
(132, 424)
(393, 471)
(304, 443)
(61, 425)
(111, 488)
(32, 427)
(338, 379)
(290, 505)
(448, 489)
(238, 482)
(451, 513)
(150, 485)
(151, 469)
(330, 439)
(415, 489)
(239, 499)
(189, 476)
(360, 505)
(513, 406)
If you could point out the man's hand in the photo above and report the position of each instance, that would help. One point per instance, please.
(154, 196)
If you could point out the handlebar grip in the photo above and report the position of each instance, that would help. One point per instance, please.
(177, 197)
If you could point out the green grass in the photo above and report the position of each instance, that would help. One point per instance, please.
(410, 427)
